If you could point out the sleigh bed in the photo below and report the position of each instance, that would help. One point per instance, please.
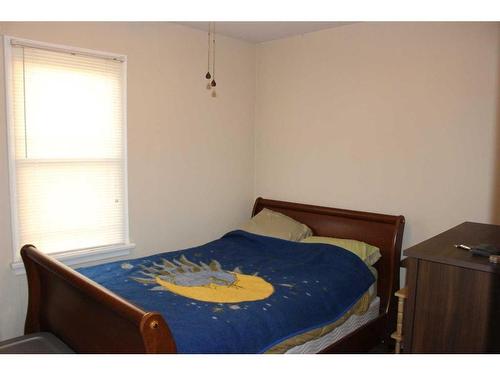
(91, 319)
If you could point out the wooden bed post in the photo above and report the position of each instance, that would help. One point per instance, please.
(32, 323)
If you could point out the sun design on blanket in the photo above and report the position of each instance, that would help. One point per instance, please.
(202, 282)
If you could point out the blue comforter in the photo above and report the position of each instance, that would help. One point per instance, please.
(242, 293)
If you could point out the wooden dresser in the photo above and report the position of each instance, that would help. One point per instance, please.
(453, 303)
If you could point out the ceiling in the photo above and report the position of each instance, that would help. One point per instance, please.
(258, 32)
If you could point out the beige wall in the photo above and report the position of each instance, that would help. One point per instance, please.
(190, 157)
(397, 118)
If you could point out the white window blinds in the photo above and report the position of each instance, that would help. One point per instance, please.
(67, 149)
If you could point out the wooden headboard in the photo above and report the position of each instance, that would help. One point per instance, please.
(383, 231)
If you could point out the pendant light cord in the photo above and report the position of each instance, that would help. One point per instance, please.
(213, 51)
(213, 83)
(209, 48)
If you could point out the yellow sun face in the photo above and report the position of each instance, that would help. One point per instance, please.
(202, 282)
(245, 288)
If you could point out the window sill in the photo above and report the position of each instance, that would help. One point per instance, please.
(75, 258)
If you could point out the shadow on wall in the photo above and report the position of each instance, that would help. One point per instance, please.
(495, 212)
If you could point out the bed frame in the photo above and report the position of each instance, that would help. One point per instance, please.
(92, 319)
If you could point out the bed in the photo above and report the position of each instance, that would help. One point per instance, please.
(93, 319)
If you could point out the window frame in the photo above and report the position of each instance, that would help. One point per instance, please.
(69, 257)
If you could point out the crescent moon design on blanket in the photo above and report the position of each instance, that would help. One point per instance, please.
(202, 282)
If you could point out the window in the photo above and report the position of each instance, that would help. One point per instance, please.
(67, 146)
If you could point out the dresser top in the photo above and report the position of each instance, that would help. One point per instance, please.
(441, 248)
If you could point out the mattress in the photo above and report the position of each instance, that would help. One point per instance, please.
(362, 307)
(350, 325)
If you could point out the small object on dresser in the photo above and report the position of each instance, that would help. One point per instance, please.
(462, 246)
(495, 259)
(484, 250)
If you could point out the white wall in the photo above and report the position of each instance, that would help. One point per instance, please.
(396, 118)
(190, 156)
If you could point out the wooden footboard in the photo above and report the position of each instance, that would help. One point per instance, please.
(86, 316)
